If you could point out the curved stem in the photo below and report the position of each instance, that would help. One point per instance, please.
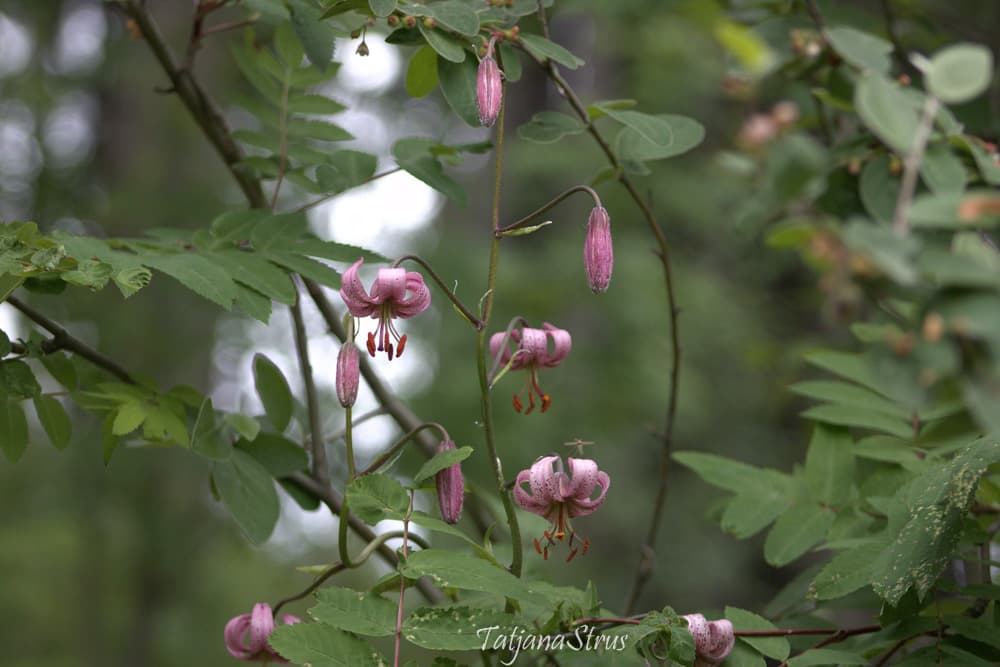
(466, 313)
(332, 570)
(482, 349)
(349, 445)
(320, 200)
(320, 469)
(513, 324)
(537, 213)
(402, 584)
(399, 444)
(645, 566)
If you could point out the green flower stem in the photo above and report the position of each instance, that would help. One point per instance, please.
(466, 313)
(482, 351)
(399, 444)
(534, 215)
(349, 444)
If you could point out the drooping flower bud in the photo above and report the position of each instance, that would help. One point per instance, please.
(488, 88)
(598, 253)
(347, 374)
(450, 487)
(247, 635)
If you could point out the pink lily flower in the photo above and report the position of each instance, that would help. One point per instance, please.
(386, 302)
(559, 497)
(598, 252)
(246, 635)
(489, 88)
(713, 640)
(532, 354)
(450, 487)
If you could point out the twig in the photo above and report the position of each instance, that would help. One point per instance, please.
(402, 585)
(534, 215)
(399, 444)
(320, 200)
(63, 340)
(320, 468)
(643, 569)
(332, 570)
(333, 501)
(283, 134)
(835, 637)
(911, 166)
(815, 14)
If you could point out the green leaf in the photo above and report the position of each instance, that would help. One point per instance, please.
(733, 475)
(129, 417)
(61, 368)
(314, 104)
(458, 85)
(959, 73)
(198, 274)
(746, 514)
(795, 532)
(250, 64)
(5, 347)
(830, 465)
(850, 395)
(685, 134)
(842, 415)
(54, 420)
(163, 423)
(346, 169)
(827, 656)
(510, 62)
(354, 611)
(316, 36)
(651, 128)
(892, 254)
(887, 111)
(772, 647)
(17, 380)
(317, 129)
(448, 47)
(744, 656)
(382, 8)
(253, 270)
(456, 16)
(455, 628)
(372, 497)
(206, 434)
(288, 45)
(320, 645)
(861, 49)
(422, 72)
(846, 572)
(247, 490)
(543, 49)
(413, 156)
(273, 391)
(13, 430)
(253, 303)
(307, 268)
(942, 170)
(879, 189)
(547, 127)
(440, 461)
(976, 629)
(450, 569)
(275, 452)
(245, 425)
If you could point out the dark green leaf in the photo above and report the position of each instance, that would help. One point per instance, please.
(861, 49)
(879, 189)
(543, 49)
(54, 420)
(455, 628)
(198, 274)
(547, 127)
(748, 513)
(279, 455)
(450, 569)
(458, 85)
(372, 497)
(346, 169)
(772, 647)
(17, 381)
(355, 611)
(830, 465)
(413, 156)
(307, 268)
(827, 656)
(456, 16)
(795, 532)
(317, 36)
(317, 129)
(320, 645)
(448, 47)
(732, 475)
(13, 430)
(846, 572)
(273, 391)
(247, 490)
(206, 435)
(314, 104)
(422, 73)
(510, 62)
(440, 461)
(253, 270)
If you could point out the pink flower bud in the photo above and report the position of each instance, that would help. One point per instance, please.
(713, 640)
(598, 254)
(347, 374)
(488, 89)
(450, 487)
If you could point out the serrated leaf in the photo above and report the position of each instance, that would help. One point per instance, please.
(314, 104)
(413, 156)
(455, 628)
(317, 37)
(206, 435)
(128, 418)
(13, 430)
(422, 73)
(851, 395)
(450, 569)
(317, 129)
(254, 271)
(273, 390)
(198, 274)
(346, 169)
(253, 303)
(247, 490)
(795, 532)
(54, 420)
(373, 497)
(861, 49)
(543, 49)
(458, 85)
(440, 461)
(320, 645)
(959, 73)
(772, 647)
(842, 415)
(307, 268)
(830, 465)
(355, 611)
(732, 475)
(846, 572)
(746, 514)
(288, 45)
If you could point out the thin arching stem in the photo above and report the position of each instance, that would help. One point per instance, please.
(476, 323)
(539, 212)
(394, 449)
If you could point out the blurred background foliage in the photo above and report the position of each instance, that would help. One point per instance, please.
(136, 564)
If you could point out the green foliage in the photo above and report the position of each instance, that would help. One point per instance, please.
(322, 646)
(440, 461)
(247, 490)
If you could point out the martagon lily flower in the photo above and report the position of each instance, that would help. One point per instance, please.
(713, 640)
(559, 497)
(246, 635)
(388, 300)
(532, 354)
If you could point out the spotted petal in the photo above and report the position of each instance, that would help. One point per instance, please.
(419, 300)
(562, 343)
(261, 627)
(586, 476)
(390, 285)
(235, 629)
(535, 505)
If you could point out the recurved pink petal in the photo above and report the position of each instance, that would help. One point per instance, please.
(526, 501)
(534, 344)
(496, 340)
(544, 480)
(722, 638)
(698, 627)
(235, 629)
(261, 627)
(562, 343)
(419, 299)
(352, 291)
(589, 477)
(288, 619)
(390, 285)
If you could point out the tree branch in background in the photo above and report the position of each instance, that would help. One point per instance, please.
(320, 468)
(644, 568)
(62, 340)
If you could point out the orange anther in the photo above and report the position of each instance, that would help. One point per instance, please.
(402, 344)
(371, 343)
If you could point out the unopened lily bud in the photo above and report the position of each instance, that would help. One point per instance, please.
(347, 374)
(488, 88)
(598, 253)
(450, 487)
